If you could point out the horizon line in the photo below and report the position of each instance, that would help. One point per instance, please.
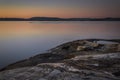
(58, 17)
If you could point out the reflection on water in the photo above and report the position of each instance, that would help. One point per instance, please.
(19, 40)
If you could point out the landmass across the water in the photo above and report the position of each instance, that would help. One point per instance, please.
(59, 19)
(87, 59)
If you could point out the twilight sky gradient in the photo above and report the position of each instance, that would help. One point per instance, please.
(60, 8)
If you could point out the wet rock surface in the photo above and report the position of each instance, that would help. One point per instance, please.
(87, 59)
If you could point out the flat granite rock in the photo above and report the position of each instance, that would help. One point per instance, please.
(52, 72)
(89, 59)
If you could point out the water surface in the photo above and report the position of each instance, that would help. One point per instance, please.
(20, 40)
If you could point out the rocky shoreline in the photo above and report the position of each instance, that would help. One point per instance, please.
(88, 59)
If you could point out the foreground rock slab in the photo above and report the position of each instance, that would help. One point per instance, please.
(89, 59)
(52, 71)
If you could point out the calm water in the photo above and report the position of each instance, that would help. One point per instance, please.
(20, 40)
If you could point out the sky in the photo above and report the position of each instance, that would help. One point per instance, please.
(59, 8)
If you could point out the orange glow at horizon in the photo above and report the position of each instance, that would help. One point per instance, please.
(55, 12)
(27, 13)
(58, 8)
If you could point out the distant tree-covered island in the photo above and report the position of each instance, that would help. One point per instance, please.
(59, 19)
